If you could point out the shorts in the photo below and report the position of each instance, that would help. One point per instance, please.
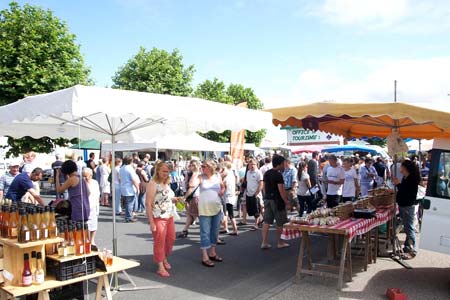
(252, 204)
(230, 211)
(192, 208)
(272, 213)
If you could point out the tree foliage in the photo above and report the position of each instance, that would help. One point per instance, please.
(234, 94)
(40, 145)
(38, 55)
(156, 71)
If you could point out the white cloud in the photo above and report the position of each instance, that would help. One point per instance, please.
(418, 81)
(403, 16)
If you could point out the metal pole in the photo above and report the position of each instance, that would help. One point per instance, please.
(395, 91)
(113, 178)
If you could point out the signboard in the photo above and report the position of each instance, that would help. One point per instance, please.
(237, 141)
(300, 136)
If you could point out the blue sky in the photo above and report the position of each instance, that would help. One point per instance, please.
(290, 52)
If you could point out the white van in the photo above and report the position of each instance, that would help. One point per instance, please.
(435, 233)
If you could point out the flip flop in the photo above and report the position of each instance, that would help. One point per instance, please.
(266, 247)
(167, 265)
(233, 233)
(216, 258)
(207, 263)
(283, 246)
(164, 273)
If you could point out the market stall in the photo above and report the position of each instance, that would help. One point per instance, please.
(345, 222)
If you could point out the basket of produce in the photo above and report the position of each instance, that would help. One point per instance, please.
(383, 197)
(362, 203)
(344, 211)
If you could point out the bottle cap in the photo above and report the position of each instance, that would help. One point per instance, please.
(26, 256)
(39, 255)
(46, 208)
(33, 254)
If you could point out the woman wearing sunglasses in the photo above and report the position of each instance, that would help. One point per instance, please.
(210, 212)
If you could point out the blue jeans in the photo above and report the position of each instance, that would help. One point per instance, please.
(129, 202)
(135, 203)
(209, 230)
(118, 207)
(141, 202)
(407, 213)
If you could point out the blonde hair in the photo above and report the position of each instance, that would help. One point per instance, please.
(227, 165)
(196, 164)
(156, 178)
(211, 164)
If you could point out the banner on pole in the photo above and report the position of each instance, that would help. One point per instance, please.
(237, 141)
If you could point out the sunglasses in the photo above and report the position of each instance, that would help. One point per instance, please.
(203, 167)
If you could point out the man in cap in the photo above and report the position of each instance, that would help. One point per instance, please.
(8, 177)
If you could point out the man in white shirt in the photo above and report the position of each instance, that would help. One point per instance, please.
(335, 179)
(254, 180)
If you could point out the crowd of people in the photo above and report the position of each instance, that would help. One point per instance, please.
(214, 193)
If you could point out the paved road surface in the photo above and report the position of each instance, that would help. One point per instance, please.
(250, 273)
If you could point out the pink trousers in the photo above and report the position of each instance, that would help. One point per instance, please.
(163, 238)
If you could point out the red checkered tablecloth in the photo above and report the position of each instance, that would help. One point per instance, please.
(351, 227)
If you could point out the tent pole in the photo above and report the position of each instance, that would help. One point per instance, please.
(113, 190)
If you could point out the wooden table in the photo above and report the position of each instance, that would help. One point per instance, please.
(345, 230)
(119, 264)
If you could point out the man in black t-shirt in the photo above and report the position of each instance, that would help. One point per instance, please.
(276, 202)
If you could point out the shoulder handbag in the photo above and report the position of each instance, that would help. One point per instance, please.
(191, 195)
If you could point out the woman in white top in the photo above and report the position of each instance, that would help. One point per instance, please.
(230, 197)
(303, 192)
(105, 186)
(160, 207)
(192, 192)
(350, 191)
(94, 206)
(209, 209)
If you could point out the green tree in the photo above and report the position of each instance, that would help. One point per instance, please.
(157, 71)
(240, 94)
(38, 54)
(234, 94)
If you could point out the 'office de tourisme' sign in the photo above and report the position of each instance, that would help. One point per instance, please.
(300, 136)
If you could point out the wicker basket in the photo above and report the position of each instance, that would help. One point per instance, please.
(344, 211)
(362, 203)
(386, 199)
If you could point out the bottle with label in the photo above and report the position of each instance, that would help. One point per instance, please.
(39, 275)
(5, 224)
(79, 242)
(27, 276)
(13, 224)
(47, 214)
(24, 231)
(33, 264)
(43, 231)
(52, 229)
(70, 241)
(34, 227)
(87, 239)
(62, 247)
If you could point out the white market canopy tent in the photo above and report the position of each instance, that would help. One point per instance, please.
(189, 142)
(90, 112)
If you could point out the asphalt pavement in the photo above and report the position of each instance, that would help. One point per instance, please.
(251, 273)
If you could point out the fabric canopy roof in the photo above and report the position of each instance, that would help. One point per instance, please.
(90, 112)
(190, 142)
(367, 119)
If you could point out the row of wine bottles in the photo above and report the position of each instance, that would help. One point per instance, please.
(26, 222)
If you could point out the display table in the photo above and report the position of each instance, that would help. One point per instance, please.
(119, 264)
(346, 230)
